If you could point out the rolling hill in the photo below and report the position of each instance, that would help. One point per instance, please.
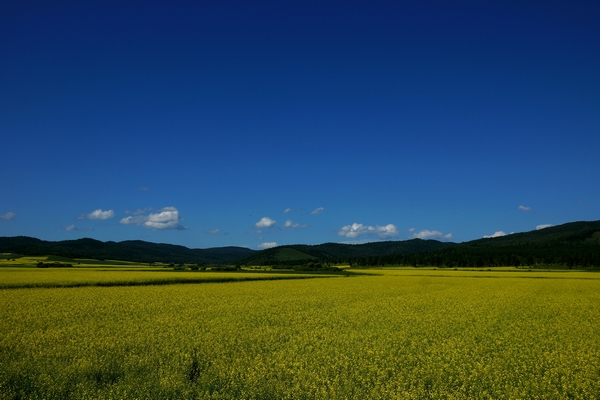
(338, 252)
(132, 250)
(570, 244)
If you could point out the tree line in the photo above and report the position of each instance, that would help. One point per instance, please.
(532, 256)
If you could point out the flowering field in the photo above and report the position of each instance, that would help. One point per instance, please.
(397, 335)
(11, 278)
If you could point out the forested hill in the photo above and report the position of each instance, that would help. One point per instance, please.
(131, 250)
(575, 244)
(571, 244)
(338, 252)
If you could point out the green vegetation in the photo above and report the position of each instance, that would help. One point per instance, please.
(131, 250)
(574, 245)
(337, 252)
(400, 333)
(9, 256)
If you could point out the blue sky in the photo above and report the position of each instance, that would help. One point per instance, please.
(211, 124)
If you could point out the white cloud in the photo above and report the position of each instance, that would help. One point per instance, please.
(8, 215)
(524, 208)
(137, 220)
(75, 228)
(537, 228)
(168, 218)
(290, 224)
(495, 235)
(287, 210)
(165, 218)
(427, 234)
(98, 214)
(267, 245)
(318, 210)
(387, 231)
(265, 222)
(355, 230)
(213, 232)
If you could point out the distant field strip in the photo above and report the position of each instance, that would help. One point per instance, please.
(12, 278)
(15, 260)
(504, 273)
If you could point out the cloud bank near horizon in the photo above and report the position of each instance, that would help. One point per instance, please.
(267, 245)
(426, 234)
(355, 230)
(495, 235)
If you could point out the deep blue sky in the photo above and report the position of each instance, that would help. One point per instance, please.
(210, 124)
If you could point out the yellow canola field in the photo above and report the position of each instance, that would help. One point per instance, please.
(365, 337)
(72, 277)
(495, 272)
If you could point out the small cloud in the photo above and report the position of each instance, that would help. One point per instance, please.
(267, 245)
(525, 209)
(287, 210)
(387, 231)
(427, 234)
(8, 215)
(318, 210)
(290, 224)
(411, 230)
(495, 235)
(543, 226)
(165, 219)
(137, 220)
(73, 228)
(355, 230)
(265, 222)
(98, 214)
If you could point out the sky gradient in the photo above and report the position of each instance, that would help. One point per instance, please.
(210, 124)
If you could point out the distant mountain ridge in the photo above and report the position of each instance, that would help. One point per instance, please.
(574, 244)
(570, 244)
(130, 250)
(338, 252)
